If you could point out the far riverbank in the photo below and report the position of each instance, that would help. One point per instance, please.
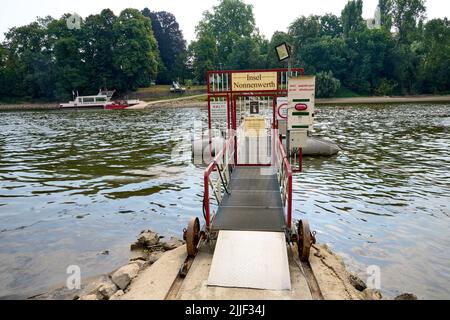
(201, 101)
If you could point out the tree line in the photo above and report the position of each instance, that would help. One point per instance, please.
(50, 58)
(406, 55)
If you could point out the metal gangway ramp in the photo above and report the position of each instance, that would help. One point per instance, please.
(247, 204)
(254, 202)
(250, 223)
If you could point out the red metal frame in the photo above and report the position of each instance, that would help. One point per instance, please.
(274, 107)
(212, 167)
(279, 147)
(287, 167)
(230, 73)
(231, 96)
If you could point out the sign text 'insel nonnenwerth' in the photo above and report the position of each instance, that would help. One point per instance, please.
(255, 81)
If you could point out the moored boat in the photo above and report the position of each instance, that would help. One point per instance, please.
(100, 101)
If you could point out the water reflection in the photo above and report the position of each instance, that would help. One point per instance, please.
(73, 184)
(385, 199)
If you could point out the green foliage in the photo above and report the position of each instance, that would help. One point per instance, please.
(136, 55)
(331, 25)
(172, 46)
(435, 67)
(385, 88)
(98, 42)
(272, 57)
(344, 92)
(46, 60)
(304, 30)
(246, 54)
(227, 23)
(407, 16)
(324, 54)
(205, 56)
(386, 14)
(351, 17)
(326, 85)
(227, 39)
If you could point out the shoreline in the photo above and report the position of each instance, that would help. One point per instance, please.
(153, 269)
(193, 101)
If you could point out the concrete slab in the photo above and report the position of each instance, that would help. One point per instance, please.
(250, 259)
(155, 282)
(195, 286)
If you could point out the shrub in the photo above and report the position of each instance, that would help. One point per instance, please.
(385, 88)
(326, 85)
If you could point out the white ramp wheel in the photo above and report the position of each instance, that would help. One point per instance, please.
(304, 240)
(192, 237)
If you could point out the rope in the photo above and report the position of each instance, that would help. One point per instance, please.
(221, 179)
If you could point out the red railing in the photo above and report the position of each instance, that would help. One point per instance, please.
(225, 158)
(284, 175)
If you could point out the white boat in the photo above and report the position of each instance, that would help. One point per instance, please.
(100, 101)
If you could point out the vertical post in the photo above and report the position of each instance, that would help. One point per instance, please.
(289, 213)
(233, 100)
(274, 106)
(300, 159)
(210, 127)
(206, 201)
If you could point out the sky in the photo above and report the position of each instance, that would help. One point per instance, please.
(270, 16)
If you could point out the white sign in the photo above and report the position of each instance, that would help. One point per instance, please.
(301, 100)
(282, 108)
(219, 113)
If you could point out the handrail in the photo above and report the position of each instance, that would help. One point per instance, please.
(282, 163)
(223, 157)
(285, 175)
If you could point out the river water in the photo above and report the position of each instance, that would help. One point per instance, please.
(74, 184)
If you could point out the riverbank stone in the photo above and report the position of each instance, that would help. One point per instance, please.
(117, 295)
(406, 296)
(155, 256)
(139, 254)
(372, 294)
(142, 264)
(124, 275)
(172, 244)
(107, 290)
(89, 297)
(146, 239)
(357, 283)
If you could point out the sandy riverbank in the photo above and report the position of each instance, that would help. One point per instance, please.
(195, 102)
(199, 101)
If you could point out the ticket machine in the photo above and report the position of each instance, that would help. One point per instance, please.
(301, 103)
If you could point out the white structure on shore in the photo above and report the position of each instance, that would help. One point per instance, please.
(375, 23)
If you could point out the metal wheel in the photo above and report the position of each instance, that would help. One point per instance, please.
(304, 240)
(192, 237)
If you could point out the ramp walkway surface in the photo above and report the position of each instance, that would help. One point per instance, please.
(254, 202)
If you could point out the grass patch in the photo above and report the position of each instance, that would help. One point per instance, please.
(346, 93)
(165, 89)
(162, 92)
